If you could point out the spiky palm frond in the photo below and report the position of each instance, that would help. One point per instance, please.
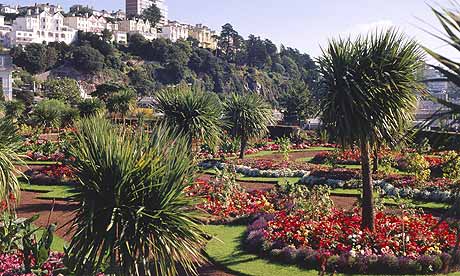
(133, 213)
(371, 84)
(10, 144)
(247, 115)
(192, 111)
(450, 22)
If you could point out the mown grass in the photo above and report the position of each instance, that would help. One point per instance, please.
(49, 191)
(225, 250)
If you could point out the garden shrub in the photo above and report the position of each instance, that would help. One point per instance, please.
(418, 165)
(451, 165)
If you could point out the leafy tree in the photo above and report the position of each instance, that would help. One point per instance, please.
(87, 59)
(107, 35)
(80, 10)
(14, 109)
(370, 96)
(257, 54)
(134, 216)
(195, 113)
(64, 89)
(105, 90)
(248, 116)
(152, 14)
(90, 107)
(48, 112)
(35, 58)
(97, 42)
(230, 43)
(297, 102)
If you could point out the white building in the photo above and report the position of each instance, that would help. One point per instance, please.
(5, 31)
(204, 35)
(7, 9)
(137, 7)
(6, 75)
(92, 24)
(41, 26)
(175, 31)
(50, 8)
(143, 27)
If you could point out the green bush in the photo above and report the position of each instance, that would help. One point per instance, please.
(418, 165)
(451, 165)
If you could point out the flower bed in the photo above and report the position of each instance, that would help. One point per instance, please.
(335, 242)
(55, 174)
(255, 172)
(13, 264)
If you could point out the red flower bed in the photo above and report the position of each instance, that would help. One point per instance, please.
(340, 232)
(340, 174)
(229, 202)
(59, 171)
(10, 264)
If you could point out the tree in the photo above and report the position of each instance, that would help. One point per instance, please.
(195, 113)
(10, 145)
(105, 90)
(135, 217)
(90, 107)
(87, 59)
(152, 14)
(107, 35)
(230, 43)
(35, 58)
(248, 116)
(297, 102)
(48, 112)
(370, 95)
(121, 103)
(14, 109)
(64, 89)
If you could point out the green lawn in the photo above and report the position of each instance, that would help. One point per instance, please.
(49, 191)
(224, 249)
(58, 243)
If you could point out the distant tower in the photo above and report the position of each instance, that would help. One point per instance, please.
(6, 75)
(136, 7)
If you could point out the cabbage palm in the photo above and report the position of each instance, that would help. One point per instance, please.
(370, 95)
(10, 144)
(121, 103)
(193, 112)
(248, 116)
(134, 214)
(450, 22)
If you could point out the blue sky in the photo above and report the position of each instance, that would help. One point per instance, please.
(304, 24)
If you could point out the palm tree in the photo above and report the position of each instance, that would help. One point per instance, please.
(48, 112)
(193, 112)
(370, 95)
(248, 116)
(90, 107)
(10, 144)
(121, 103)
(14, 109)
(134, 215)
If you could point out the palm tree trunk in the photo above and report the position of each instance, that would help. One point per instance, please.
(368, 197)
(244, 143)
(375, 164)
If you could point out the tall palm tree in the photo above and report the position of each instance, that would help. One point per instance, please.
(10, 144)
(192, 111)
(134, 214)
(248, 116)
(370, 95)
